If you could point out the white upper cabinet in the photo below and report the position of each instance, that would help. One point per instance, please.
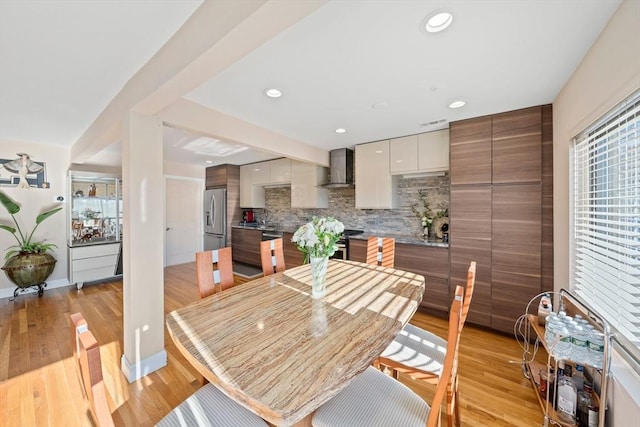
(253, 178)
(374, 182)
(433, 151)
(280, 171)
(404, 154)
(306, 179)
(425, 152)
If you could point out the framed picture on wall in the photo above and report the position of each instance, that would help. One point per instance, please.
(23, 172)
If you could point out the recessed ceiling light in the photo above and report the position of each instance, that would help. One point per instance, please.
(273, 93)
(438, 21)
(209, 161)
(340, 130)
(457, 104)
(380, 105)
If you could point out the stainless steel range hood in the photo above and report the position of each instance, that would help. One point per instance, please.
(341, 168)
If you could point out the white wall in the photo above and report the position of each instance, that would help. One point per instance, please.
(33, 202)
(608, 73)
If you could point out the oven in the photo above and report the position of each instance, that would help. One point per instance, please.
(271, 234)
(341, 253)
(343, 244)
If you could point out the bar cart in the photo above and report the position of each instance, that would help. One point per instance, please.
(573, 305)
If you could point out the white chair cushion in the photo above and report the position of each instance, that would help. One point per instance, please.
(212, 408)
(416, 348)
(373, 399)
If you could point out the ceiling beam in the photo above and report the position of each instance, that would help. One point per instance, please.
(197, 118)
(218, 34)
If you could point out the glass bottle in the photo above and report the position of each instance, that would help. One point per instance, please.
(567, 399)
(585, 398)
(578, 377)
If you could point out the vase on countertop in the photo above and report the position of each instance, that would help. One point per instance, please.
(318, 275)
(425, 232)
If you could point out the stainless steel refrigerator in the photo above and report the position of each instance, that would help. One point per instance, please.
(215, 219)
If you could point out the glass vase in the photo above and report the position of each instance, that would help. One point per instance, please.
(318, 276)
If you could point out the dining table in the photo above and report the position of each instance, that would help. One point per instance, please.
(276, 350)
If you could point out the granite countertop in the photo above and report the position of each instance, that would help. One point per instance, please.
(400, 238)
(267, 227)
(403, 238)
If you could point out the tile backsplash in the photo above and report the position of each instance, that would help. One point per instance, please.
(342, 206)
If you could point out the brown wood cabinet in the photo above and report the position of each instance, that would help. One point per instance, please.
(246, 246)
(292, 256)
(470, 151)
(501, 211)
(227, 176)
(516, 146)
(430, 261)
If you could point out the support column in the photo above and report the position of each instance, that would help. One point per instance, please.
(143, 221)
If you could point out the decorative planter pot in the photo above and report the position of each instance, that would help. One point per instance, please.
(26, 270)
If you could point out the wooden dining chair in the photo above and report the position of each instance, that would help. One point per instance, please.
(214, 268)
(272, 256)
(420, 353)
(374, 399)
(381, 251)
(207, 406)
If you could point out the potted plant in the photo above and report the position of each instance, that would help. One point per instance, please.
(27, 264)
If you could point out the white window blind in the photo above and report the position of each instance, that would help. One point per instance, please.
(605, 256)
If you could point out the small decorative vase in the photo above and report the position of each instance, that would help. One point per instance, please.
(426, 232)
(318, 275)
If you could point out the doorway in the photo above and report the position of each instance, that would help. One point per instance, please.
(183, 219)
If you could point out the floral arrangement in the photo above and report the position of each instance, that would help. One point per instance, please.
(424, 212)
(318, 237)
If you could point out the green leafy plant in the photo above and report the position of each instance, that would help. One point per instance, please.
(25, 242)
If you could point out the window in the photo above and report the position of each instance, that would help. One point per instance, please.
(605, 246)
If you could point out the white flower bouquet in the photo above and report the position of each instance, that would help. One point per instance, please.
(318, 238)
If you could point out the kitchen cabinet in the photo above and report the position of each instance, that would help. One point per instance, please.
(403, 154)
(422, 153)
(470, 147)
(516, 146)
(216, 176)
(253, 178)
(412, 258)
(501, 211)
(95, 226)
(245, 246)
(292, 255)
(433, 151)
(375, 186)
(306, 179)
(470, 217)
(280, 171)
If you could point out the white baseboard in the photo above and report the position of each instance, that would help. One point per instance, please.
(144, 367)
(51, 284)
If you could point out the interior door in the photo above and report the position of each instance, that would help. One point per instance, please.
(183, 205)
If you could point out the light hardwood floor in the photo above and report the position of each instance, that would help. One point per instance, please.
(39, 384)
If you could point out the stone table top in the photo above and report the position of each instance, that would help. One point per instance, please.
(274, 349)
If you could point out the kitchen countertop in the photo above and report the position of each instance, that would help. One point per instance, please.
(268, 227)
(400, 238)
(403, 238)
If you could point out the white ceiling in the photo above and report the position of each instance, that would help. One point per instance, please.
(64, 61)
